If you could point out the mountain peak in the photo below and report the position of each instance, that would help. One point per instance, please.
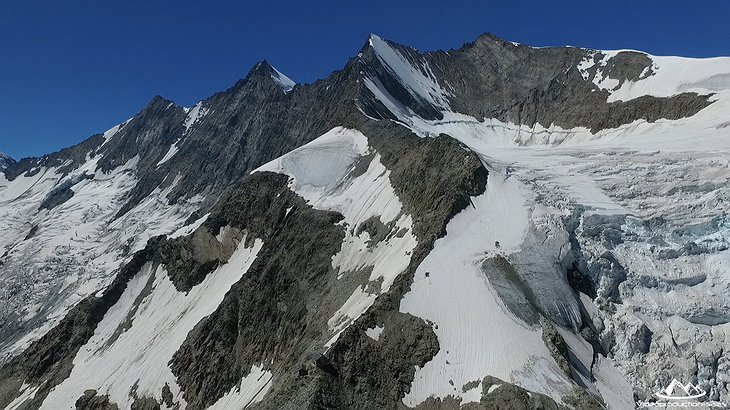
(159, 101)
(261, 66)
(377, 43)
(5, 160)
(263, 69)
(373, 37)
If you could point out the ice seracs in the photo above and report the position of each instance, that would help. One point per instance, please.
(73, 249)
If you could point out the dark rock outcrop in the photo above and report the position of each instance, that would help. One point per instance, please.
(62, 192)
(272, 313)
(376, 374)
(189, 259)
(434, 178)
(5, 161)
(91, 401)
(75, 156)
(49, 360)
(493, 78)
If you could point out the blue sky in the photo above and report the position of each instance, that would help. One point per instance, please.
(72, 69)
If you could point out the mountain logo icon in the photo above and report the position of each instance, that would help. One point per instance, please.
(678, 391)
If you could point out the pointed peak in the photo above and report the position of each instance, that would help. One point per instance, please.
(159, 101)
(381, 45)
(492, 40)
(375, 41)
(5, 161)
(370, 48)
(157, 98)
(371, 41)
(262, 65)
(372, 37)
(285, 82)
(263, 69)
(489, 37)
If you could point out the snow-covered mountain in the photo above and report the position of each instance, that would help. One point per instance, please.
(498, 226)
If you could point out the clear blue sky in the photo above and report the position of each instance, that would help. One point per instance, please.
(70, 69)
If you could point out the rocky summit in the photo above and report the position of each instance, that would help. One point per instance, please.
(494, 227)
(5, 161)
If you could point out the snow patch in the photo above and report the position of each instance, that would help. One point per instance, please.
(111, 132)
(420, 82)
(285, 82)
(26, 393)
(80, 250)
(194, 115)
(671, 75)
(251, 389)
(170, 153)
(137, 338)
(374, 332)
(493, 387)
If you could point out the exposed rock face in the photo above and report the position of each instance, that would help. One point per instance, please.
(90, 401)
(228, 134)
(627, 66)
(435, 178)
(497, 394)
(493, 78)
(232, 132)
(5, 161)
(376, 374)
(272, 313)
(73, 157)
(171, 191)
(190, 258)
